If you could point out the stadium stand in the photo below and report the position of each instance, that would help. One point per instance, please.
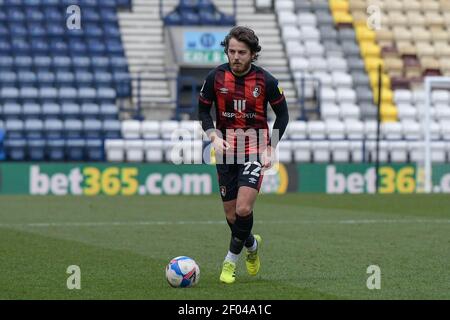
(60, 83)
(59, 87)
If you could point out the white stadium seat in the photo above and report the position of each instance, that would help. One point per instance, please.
(354, 129)
(134, 150)
(167, 128)
(356, 149)
(302, 151)
(285, 151)
(391, 130)
(150, 129)
(398, 151)
(340, 150)
(131, 129)
(316, 129)
(115, 150)
(154, 151)
(335, 130)
(297, 130)
(321, 151)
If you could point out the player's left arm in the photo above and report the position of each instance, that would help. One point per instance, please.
(279, 106)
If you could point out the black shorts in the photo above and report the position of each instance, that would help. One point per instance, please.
(233, 176)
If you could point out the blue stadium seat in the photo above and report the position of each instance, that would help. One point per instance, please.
(55, 30)
(205, 6)
(28, 94)
(33, 14)
(45, 79)
(17, 30)
(2, 137)
(15, 14)
(84, 78)
(14, 129)
(55, 149)
(188, 4)
(103, 79)
(81, 63)
(93, 30)
(67, 94)
(34, 129)
(51, 111)
(4, 31)
(27, 78)
(39, 46)
(23, 62)
(73, 128)
(100, 63)
(58, 46)
(173, 19)
(75, 149)
(115, 48)
(90, 111)
(9, 94)
(109, 111)
(190, 18)
(36, 149)
(78, 47)
(90, 15)
(96, 48)
(48, 94)
(70, 110)
(92, 129)
(8, 79)
(12, 111)
(42, 62)
(65, 79)
(111, 31)
(62, 63)
(31, 111)
(107, 95)
(112, 129)
(6, 62)
(15, 149)
(52, 12)
(86, 94)
(94, 150)
(53, 129)
(5, 46)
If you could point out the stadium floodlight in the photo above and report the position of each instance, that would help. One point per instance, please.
(424, 164)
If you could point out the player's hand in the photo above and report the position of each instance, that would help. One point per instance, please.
(220, 145)
(268, 157)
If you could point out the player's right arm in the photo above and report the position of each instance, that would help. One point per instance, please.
(205, 100)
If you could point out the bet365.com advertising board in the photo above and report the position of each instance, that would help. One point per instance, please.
(126, 179)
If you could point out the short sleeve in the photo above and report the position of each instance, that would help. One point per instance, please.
(275, 94)
(207, 94)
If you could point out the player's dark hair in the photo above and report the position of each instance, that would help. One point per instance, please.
(245, 35)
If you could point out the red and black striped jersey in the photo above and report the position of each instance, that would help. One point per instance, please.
(240, 101)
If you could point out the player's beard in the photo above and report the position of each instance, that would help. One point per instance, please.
(241, 67)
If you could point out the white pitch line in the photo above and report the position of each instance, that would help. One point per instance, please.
(192, 222)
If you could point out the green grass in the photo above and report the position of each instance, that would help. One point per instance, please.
(315, 247)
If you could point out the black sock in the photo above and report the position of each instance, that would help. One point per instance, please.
(241, 231)
(250, 240)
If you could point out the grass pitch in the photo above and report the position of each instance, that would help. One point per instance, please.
(315, 246)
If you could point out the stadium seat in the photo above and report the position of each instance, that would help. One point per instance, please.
(112, 129)
(94, 150)
(75, 149)
(134, 150)
(321, 151)
(36, 149)
(115, 150)
(15, 149)
(154, 151)
(150, 129)
(340, 151)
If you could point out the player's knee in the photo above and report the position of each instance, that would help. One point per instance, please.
(231, 216)
(243, 210)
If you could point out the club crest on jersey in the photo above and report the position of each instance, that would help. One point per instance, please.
(223, 191)
(239, 105)
(256, 91)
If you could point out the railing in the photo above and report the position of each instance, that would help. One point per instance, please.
(317, 88)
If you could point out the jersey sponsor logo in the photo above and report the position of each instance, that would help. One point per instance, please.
(239, 105)
(223, 90)
(250, 115)
(256, 91)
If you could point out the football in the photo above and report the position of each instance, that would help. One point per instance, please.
(182, 272)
